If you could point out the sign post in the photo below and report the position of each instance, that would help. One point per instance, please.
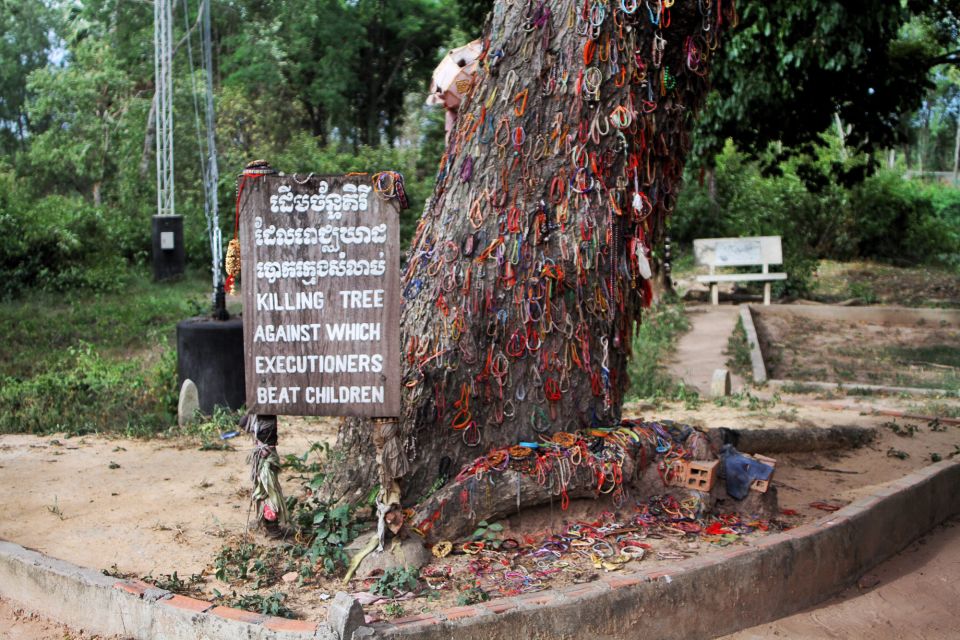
(321, 296)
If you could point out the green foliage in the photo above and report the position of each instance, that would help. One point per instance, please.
(24, 48)
(747, 400)
(396, 581)
(327, 530)
(57, 243)
(37, 330)
(268, 605)
(793, 66)
(93, 363)
(738, 352)
(884, 218)
(208, 429)
(176, 584)
(87, 393)
(299, 463)
(473, 595)
(652, 343)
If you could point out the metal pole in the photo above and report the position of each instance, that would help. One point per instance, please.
(162, 47)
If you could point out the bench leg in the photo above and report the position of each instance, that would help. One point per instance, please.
(766, 293)
(714, 294)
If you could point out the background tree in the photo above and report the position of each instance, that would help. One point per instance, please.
(793, 68)
(24, 47)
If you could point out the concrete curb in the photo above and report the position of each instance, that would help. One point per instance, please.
(706, 596)
(854, 386)
(100, 604)
(756, 356)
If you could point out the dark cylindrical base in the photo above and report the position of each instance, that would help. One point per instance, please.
(210, 352)
(169, 257)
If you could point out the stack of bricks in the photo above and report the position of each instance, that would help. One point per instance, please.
(699, 475)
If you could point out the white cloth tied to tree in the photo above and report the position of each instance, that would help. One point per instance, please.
(390, 455)
(453, 78)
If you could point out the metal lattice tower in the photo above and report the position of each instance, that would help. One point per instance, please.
(163, 64)
(212, 173)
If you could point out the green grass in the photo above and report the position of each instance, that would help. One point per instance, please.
(738, 352)
(84, 363)
(944, 355)
(37, 329)
(654, 341)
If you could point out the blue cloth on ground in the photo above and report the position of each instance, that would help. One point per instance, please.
(741, 470)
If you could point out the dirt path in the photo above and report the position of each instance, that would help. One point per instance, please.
(700, 350)
(913, 595)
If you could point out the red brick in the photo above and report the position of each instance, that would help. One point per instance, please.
(656, 575)
(424, 618)
(456, 613)
(579, 590)
(619, 583)
(801, 532)
(500, 606)
(237, 614)
(419, 624)
(536, 598)
(135, 587)
(285, 624)
(187, 604)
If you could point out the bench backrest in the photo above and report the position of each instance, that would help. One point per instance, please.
(738, 252)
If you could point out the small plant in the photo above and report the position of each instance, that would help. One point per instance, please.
(937, 426)
(208, 430)
(897, 453)
(299, 463)
(396, 581)
(904, 431)
(173, 582)
(394, 610)
(233, 563)
(738, 352)
(268, 605)
(863, 292)
(487, 532)
(689, 396)
(754, 403)
(55, 509)
(473, 595)
(935, 457)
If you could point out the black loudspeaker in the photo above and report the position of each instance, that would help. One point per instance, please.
(169, 257)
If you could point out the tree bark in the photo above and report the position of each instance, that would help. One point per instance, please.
(527, 271)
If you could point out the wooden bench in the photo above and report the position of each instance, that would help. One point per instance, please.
(759, 251)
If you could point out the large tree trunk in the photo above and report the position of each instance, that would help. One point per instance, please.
(526, 274)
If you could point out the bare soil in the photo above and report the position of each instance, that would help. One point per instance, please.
(151, 508)
(913, 595)
(17, 623)
(921, 355)
(875, 283)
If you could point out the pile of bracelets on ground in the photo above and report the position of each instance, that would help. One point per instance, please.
(662, 528)
(556, 458)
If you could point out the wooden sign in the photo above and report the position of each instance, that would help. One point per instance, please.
(321, 296)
